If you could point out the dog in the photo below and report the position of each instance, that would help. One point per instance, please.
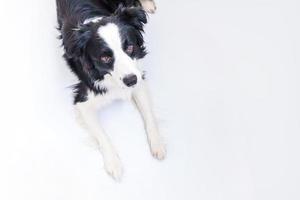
(103, 43)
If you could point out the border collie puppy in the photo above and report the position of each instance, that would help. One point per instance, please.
(103, 43)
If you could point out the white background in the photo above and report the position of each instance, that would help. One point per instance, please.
(225, 81)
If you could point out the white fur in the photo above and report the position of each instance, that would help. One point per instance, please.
(92, 20)
(87, 111)
(143, 103)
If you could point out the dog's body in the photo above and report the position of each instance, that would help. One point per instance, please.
(103, 43)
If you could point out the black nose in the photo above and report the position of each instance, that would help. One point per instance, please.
(130, 80)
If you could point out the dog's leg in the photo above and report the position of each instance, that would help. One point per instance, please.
(148, 5)
(142, 101)
(88, 116)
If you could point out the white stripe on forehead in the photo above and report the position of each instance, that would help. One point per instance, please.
(111, 35)
(92, 20)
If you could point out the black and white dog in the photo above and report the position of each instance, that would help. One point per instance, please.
(103, 43)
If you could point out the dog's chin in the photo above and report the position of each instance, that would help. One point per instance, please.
(120, 85)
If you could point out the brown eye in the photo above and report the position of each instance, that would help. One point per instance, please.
(129, 49)
(106, 59)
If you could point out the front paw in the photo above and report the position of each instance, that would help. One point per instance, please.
(158, 149)
(149, 6)
(113, 167)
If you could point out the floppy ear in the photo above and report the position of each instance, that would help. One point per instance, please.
(75, 40)
(134, 16)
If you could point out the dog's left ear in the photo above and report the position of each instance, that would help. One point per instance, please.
(134, 16)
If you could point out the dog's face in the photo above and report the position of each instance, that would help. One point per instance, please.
(108, 50)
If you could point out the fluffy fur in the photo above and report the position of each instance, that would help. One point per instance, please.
(103, 42)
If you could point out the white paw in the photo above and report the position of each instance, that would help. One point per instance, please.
(158, 150)
(149, 6)
(114, 168)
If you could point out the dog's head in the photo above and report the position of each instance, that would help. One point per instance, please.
(108, 49)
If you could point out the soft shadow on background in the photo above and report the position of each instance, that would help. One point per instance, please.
(225, 82)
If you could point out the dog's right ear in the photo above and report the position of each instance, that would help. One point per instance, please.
(134, 16)
(75, 40)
